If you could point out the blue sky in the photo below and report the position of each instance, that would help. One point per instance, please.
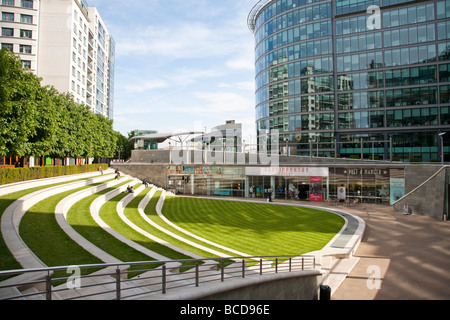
(181, 64)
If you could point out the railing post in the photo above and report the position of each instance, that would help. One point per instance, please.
(276, 265)
(222, 271)
(196, 274)
(118, 297)
(164, 279)
(243, 268)
(290, 264)
(260, 267)
(48, 286)
(303, 263)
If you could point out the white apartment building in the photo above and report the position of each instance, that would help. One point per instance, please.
(19, 30)
(71, 48)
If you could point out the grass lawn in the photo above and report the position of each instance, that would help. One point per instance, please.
(43, 235)
(7, 260)
(109, 215)
(150, 212)
(80, 219)
(258, 229)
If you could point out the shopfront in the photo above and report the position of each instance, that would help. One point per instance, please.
(293, 183)
(381, 185)
(207, 180)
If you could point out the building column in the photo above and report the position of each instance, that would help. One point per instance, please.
(247, 188)
(272, 186)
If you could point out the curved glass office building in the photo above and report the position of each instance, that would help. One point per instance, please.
(337, 79)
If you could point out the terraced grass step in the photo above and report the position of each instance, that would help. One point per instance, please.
(12, 208)
(259, 229)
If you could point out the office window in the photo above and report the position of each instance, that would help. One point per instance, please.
(27, 4)
(411, 76)
(8, 2)
(25, 49)
(25, 18)
(26, 34)
(7, 16)
(412, 117)
(445, 94)
(443, 30)
(445, 115)
(443, 9)
(7, 32)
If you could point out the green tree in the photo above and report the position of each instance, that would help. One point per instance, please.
(20, 95)
(40, 121)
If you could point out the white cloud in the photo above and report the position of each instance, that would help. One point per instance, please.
(143, 86)
(222, 102)
(243, 85)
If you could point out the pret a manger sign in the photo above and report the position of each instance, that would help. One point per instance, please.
(287, 171)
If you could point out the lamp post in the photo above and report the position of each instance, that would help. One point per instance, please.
(317, 135)
(441, 135)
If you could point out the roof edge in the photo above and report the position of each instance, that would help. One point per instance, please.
(251, 20)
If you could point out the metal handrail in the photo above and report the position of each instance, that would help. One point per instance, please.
(117, 284)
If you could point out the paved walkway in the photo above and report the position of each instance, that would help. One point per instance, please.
(410, 254)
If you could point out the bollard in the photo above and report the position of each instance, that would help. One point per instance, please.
(325, 293)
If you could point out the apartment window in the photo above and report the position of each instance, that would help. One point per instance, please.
(73, 71)
(26, 34)
(25, 49)
(27, 4)
(74, 57)
(26, 64)
(25, 18)
(9, 46)
(7, 32)
(7, 16)
(8, 2)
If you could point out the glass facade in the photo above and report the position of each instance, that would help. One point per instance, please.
(325, 75)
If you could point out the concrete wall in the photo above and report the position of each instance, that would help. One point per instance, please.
(198, 157)
(275, 287)
(428, 199)
(154, 173)
(298, 285)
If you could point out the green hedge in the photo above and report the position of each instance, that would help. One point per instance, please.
(25, 174)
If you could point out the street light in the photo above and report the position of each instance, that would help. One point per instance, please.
(441, 135)
(317, 135)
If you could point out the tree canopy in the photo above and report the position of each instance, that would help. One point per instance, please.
(38, 120)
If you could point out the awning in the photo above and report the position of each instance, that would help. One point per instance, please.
(162, 137)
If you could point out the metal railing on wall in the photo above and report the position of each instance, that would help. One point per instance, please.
(137, 279)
